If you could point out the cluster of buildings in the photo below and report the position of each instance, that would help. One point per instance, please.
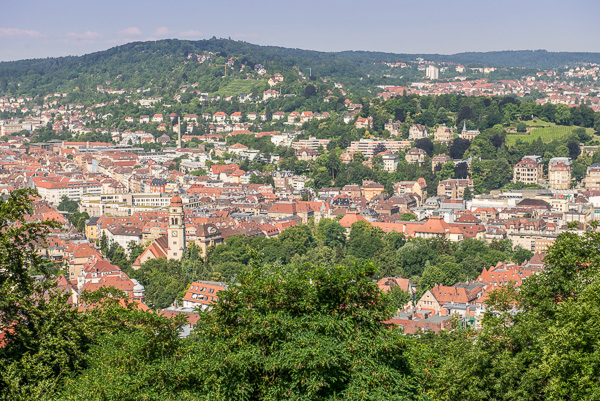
(168, 199)
(559, 90)
(467, 301)
(88, 270)
(128, 192)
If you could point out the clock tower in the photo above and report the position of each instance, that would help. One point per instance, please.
(176, 233)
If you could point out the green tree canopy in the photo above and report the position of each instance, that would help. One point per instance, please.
(317, 334)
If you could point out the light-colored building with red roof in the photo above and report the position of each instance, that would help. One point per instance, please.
(201, 294)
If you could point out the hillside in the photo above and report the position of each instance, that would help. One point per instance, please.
(168, 58)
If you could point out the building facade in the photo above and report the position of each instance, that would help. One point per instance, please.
(529, 170)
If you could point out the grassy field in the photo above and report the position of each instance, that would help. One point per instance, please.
(236, 87)
(541, 129)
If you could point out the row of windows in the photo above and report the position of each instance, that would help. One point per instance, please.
(201, 297)
(198, 288)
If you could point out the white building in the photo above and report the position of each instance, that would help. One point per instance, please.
(432, 72)
(390, 162)
(52, 189)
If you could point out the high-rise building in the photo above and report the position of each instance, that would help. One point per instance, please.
(432, 72)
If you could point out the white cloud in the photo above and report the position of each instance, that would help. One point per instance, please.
(162, 30)
(191, 33)
(134, 31)
(87, 35)
(5, 32)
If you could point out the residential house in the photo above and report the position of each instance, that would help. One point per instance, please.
(390, 161)
(417, 131)
(202, 294)
(454, 188)
(371, 189)
(362, 122)
(236, 117)
(592, 178)
(307, 154)
(439, 160)
(443, 134)
(529, 170)
(418, 187)
(440, 295)
(468, 134)
(415, 155)
(559, 173)
(219, 117)
(393, 127)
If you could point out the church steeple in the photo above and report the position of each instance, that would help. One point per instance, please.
(176, 231)
(464, 126)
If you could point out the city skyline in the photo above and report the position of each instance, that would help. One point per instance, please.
(36, 29)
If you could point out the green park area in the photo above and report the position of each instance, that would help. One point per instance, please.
(236, 87)
(541, 129)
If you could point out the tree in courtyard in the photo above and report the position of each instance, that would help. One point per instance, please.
(408, 217)
(331, 233)
(67, 205)
(467, 195)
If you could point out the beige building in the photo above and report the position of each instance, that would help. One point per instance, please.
(454, 188)
(468, 134)
(390, 161)
(91, 229)
(418, 187)
(432, 72)
(592, 177)
(415, 155)
(559, 173)
(371, 189)
(417, 131)
(443, 134)
(439, 160)
(529, 170)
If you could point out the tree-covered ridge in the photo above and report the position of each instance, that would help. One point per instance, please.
(130, 62)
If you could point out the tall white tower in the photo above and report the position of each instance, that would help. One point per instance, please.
(432, 72)
(176, 233)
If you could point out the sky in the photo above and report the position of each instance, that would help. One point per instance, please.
(47, 28)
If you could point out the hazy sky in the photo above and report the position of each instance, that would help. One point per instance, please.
(46, 28)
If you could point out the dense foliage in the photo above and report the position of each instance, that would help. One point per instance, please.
(128, 61)
(425, 262)
(539, 342)
(307, 332)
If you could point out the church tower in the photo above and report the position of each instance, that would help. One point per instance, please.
(176, 233)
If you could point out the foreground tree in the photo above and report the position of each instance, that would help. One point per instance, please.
(317, 334)
(541, 342)
(45, 340)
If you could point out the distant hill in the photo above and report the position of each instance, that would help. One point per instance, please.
(167, 58)
(540, 59)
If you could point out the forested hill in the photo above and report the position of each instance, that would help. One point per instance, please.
(523, 58)
(539, 59)
(166, 57)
